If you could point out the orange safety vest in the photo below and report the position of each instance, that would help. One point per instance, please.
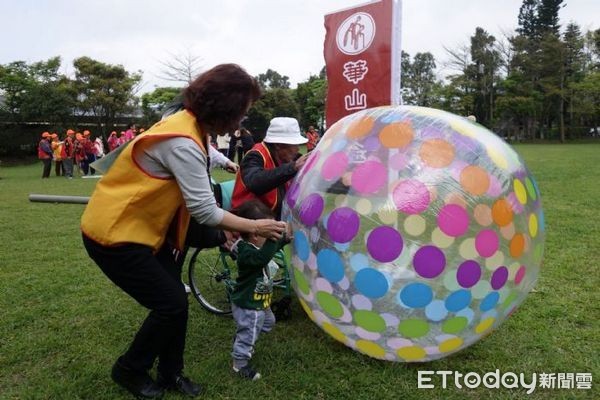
(241, 194)
(131, 206)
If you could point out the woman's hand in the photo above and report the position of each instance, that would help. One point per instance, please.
(270, 229)
(300, 162)
(232, 167)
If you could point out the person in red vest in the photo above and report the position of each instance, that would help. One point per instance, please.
(135, 222)
(45, 154)
(313, 138)
(267, 169)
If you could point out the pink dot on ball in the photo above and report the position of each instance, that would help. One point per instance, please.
(411, 196)
(453, 220)
(334, 166)
(487, 242)
(369, 177)
(520, 275)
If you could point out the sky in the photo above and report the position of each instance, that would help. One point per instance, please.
(284, 35)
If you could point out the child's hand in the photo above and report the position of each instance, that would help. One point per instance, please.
(231, 237)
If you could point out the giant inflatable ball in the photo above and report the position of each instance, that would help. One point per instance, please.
(416, 232)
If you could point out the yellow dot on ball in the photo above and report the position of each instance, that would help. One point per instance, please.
(497, 158)
(450, 344)
(496, 260)
(414, 225)
(370, 348)
(334, 332)
(411, 353)
(387, 215)
(484, 325)
(364, 206)
(467, 249)
(307, 309)
(533, 225)
(440, 239)
(520, 191)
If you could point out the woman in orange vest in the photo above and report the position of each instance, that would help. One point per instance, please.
(266, 170)
(135, 222)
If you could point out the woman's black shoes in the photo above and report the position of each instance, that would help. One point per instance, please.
(139, 384)
(179, 383)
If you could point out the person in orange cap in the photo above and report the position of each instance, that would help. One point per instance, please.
(68, 153)
(57, 148)
(45, 154)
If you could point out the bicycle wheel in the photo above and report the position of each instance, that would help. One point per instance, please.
(211, 279)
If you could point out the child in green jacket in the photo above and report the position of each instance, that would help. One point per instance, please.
(251, 298)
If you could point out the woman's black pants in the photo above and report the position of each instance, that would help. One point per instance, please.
(154, 281)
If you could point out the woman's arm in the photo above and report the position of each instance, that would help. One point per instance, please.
(182, 159)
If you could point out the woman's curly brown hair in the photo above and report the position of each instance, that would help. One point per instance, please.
(219, 97)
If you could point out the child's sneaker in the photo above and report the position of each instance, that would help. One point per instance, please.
(247, 372)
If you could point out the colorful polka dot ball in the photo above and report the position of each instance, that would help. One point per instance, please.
(416, 232)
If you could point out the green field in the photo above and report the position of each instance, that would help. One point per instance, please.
(62, 323)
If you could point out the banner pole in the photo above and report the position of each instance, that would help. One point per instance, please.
(396, 82)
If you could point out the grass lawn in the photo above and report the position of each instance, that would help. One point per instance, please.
(62, 323)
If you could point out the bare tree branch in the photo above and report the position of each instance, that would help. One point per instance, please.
(459, 58)
(183, 67)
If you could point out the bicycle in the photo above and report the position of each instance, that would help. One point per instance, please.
(212, 279)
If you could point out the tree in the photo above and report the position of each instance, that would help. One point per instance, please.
(105, 90)
(274, 103)
(482, 73)
(421, 79)
(574, 68)
(273, 80)
(37, 92)
(15, 82)
(528, 19)
(547, 17)
(278, 100)
(586, 99)
(155, 101)
(310, 99)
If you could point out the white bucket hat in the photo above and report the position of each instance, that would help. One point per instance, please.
(284, 130)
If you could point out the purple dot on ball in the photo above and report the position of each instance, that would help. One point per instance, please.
(343, 224)
(311, 209)
(499, 278)
(384, 244)
(429, 261)
(468, 274)
(292, 194)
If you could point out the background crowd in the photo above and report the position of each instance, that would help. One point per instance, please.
(78, 150)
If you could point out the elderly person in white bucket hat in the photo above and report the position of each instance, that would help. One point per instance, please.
(268, 168)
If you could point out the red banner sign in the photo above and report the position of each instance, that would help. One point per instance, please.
(362, 48)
